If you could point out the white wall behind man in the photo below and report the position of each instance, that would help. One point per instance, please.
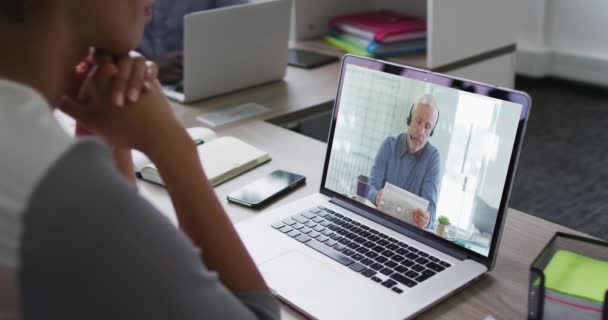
(564, 38)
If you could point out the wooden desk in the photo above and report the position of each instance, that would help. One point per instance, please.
(502, 293)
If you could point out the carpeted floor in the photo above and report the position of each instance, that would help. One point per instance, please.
(563, 169)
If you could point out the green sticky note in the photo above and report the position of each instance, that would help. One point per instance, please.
(577, 275)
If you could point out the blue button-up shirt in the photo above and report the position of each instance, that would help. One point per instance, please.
(417, 173)
(165, 32)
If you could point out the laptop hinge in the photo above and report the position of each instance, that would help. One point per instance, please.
(402, 230)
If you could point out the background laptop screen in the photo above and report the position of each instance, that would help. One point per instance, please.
(451, 163)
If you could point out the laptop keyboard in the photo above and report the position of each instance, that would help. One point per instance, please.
(364, 250)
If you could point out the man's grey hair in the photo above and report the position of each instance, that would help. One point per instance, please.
(428, 100)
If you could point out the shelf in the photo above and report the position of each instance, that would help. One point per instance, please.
(318, 45)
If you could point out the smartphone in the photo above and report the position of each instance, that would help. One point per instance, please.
(266, 189)
(308, 59)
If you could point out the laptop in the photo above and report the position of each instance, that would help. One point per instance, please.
(232, 48)
(343, 254)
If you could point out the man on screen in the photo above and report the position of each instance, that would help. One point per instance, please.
(410, 162)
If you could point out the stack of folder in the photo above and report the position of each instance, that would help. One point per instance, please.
(381, 34)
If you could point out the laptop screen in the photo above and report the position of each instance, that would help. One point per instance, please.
(425, 150)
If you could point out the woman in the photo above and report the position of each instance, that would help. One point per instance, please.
(76, 240)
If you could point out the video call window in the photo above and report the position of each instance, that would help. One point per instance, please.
(449, 164)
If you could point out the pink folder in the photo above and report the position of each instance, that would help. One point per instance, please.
(382, 26)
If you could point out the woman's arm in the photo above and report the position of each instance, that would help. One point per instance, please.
(201, 215)
(124, 163)
(151, 127)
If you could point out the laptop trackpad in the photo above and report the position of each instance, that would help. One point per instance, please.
(296, 276)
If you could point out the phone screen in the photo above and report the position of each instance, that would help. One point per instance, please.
(261, 191)
(308, 59)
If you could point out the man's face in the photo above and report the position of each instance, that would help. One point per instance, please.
(424, 117)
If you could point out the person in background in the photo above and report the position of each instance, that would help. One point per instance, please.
(410, 162)
(164, 35)
(77, 241)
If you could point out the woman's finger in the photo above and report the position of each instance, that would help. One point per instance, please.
(121, 80)
(151, 74)
(137, 79)
(86, 88)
